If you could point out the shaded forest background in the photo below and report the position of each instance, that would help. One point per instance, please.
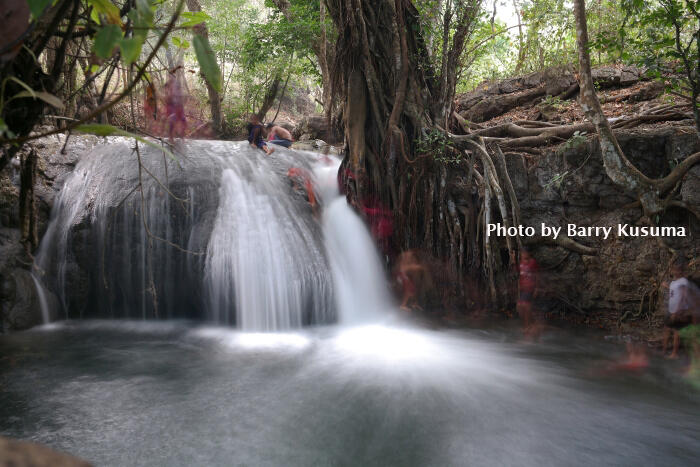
(266, 51)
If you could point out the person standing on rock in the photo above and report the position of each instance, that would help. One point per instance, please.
(279, 136)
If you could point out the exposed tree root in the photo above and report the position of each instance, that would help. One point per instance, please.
(531, 134)
(568, 243)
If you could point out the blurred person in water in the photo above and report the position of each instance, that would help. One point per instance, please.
(634, 361)
(691, 340)
(302, 180)
(411, 277)
(683, 306)
(381, 223)
(527, 287)
(175, 108)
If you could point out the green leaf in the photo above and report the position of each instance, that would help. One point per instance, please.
(181, 43)
(193, 18)
(106, 39)
(5, 130)
(44, 96)
(98, 129)
(142, 17)
(131, 49)
(23, 84)
(37, 7)
(107, 8)
(101, 129)
(144, 6)
(207, 61)
(93, 68)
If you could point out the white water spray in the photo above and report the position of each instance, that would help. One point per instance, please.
(43, 303)
(359, 280)
(262, 258)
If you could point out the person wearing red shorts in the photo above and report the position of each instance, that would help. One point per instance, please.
(527, 287)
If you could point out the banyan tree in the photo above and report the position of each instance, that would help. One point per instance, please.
(396, 68)
(444, 178)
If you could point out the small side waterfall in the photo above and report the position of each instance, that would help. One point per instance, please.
(359, 280)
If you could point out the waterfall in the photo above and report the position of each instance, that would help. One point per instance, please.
(263, 257)
(359, 281)
(220, 235)
(43, 303)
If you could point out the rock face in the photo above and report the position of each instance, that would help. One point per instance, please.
(24, 454)
(569, 185)
(19, 299)
(315, 127)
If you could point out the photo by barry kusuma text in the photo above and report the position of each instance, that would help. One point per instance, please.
(574, 230)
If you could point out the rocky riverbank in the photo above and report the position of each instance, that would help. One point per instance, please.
(24, 454)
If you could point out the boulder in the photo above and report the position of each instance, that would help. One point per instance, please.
(315, 127)
(25, 454)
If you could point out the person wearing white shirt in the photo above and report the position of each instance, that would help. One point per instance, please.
(683, 303)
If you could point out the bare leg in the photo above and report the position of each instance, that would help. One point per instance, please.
(405, 302)
(667, 337)
(676, 343)
(525, 312)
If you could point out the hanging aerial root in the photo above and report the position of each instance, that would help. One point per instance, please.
(500, 162)
(491, 180)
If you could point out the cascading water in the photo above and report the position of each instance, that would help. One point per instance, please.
(263, 257)
(43, 303)
(358, 276)
(229, 240)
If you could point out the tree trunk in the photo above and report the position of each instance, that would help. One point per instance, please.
(91, 95)
(323, 62)
(22, 115)
(399, 154)
(322, 49)
(617, 166)
(269, 98)
(521, 40)
(27, 205)
(393, 95)
(214, 97)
